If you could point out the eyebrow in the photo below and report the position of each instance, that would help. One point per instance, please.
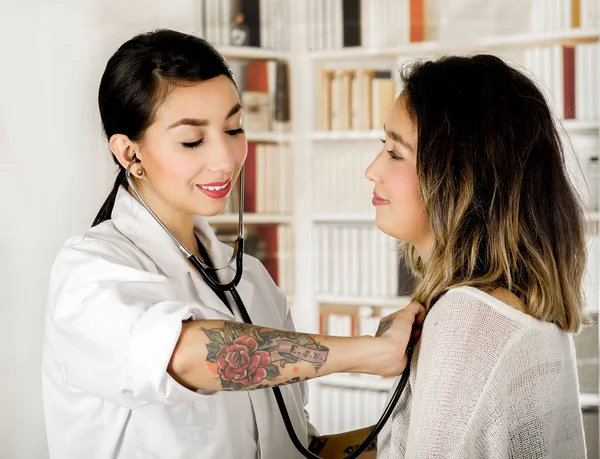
(198, 122)
(398, 138)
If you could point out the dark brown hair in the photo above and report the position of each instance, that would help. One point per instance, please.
(139, 76)
(491, 169)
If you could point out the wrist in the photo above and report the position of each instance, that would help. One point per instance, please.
(372, 355)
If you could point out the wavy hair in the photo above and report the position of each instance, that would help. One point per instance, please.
(492, 177)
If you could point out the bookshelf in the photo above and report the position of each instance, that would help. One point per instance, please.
(261, 65)
(314, 151)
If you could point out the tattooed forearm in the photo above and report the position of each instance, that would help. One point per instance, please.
(246, 356)
(384, 326)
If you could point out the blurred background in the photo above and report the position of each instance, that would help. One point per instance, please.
(317, 79)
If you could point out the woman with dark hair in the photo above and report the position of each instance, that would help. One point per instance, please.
(141, 357)
(472, 180)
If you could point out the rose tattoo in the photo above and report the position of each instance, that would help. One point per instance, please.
(242, 362)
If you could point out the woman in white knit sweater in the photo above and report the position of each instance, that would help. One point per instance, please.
(472, 180)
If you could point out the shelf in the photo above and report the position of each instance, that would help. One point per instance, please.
(589, 400)
(383, 301)
(415, 49)
(251, 218)
(593, 217)
(252, 53)
(370, 218)
(526, 40)
(344, 218)
(355, 381)
(385, 384)
(570, 126)
(374, 134)
(420, 49)
(573, 126)
(271, 137)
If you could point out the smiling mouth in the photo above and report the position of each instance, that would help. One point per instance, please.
(214, 188)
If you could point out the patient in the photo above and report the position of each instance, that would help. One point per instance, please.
(471, 178)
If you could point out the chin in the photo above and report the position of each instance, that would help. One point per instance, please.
(396, 230)
(386, 226)
(211, 209)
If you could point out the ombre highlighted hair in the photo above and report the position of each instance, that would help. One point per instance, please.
(491, 168)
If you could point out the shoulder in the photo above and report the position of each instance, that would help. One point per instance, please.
(469, 303)
(99, 251)
(472, 319)
(469, 316)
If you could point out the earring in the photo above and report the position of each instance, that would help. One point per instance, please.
(140, 171)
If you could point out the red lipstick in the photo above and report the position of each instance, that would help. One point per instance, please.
(218, 190)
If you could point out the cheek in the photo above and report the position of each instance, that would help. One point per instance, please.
(170, 162)
(179, 167)
(405, 187)
(406, 200)
(239, 149)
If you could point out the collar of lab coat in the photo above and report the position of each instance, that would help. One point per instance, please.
(136, 223)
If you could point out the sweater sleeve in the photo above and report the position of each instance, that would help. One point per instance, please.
(461, 345)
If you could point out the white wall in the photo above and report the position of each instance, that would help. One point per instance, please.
(55, 169)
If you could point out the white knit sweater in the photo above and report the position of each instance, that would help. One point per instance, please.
(487, 381)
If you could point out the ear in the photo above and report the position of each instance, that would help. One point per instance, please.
(123, 149)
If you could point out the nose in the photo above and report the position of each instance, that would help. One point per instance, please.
(372, 172)
(222, 157)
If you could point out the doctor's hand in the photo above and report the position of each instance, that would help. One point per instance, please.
(400, 329)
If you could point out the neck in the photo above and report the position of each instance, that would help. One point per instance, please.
(181, 224)
(424, 248)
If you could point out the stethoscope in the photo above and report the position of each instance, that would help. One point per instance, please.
(237, 257)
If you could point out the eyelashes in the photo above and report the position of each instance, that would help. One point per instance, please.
(393, 155)
(193, 144)
(197, 143)
(235, 132)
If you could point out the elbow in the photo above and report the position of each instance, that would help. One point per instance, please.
(183, 363)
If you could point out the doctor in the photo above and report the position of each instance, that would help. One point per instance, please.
(141, 358)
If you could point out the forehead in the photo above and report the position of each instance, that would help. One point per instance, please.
(400, 121)
(211, 100)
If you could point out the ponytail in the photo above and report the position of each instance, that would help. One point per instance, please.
(107, 208)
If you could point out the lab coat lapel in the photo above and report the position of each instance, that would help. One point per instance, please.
(272, 435)
(208, 297)
(135, 223)
(220, 255)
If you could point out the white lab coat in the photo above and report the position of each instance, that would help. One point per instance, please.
(117, 297)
